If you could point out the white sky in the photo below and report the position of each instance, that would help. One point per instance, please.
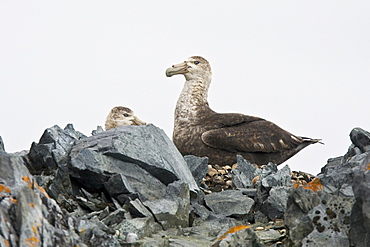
(304, 65)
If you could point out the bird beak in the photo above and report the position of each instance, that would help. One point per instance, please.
(180, 68)
(137, 121)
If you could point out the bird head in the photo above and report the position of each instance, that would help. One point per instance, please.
(194, 67)
(121, 116)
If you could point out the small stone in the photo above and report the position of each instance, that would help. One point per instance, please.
(131, 237)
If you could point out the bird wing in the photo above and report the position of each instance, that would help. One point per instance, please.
(255, 135)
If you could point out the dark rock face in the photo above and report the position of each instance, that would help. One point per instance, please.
(2, 148)
(131, 185)
(360, 214)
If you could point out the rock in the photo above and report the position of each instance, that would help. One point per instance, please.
(275, 205)
(172, 210)
(229, 202)
(361, 139)
(122, 180)
(198, 167)
(244, 237)
(331, 222)
(244, 173)
(360, 215)
(13, 174)
(52, 150)
(28, 214)
(2, 148)
(272, 177)
(140, 145)
(299, 225)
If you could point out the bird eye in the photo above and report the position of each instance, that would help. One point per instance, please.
(125, 114)
(196, 62)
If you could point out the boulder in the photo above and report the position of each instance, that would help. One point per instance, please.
(229, 202)
(244, 173)
(198, 167)
(361, 139)
(146, 146)
(2, 148)
(360, 214)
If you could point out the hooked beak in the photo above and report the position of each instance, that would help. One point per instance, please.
(180, 68)
(137, 121)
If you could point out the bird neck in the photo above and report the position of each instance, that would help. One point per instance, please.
(192, 99)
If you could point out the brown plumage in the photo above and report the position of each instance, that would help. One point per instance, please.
(200, 131)
(121, 116)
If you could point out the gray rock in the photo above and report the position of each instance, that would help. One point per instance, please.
(144, 145)
(14, 173)
(331, 222)
(360, 215)
(272, 177)
(27, 211)
(244, 173)
(229, 202)
(361, 139)
(173, 209)
(338, 173)
(198, 167)
(200, 210)
(2, 148)
(52, 150)
(122, 180)
(268, 236)
(275, 205)
(298, 224)
(142, 227)
(245, 237)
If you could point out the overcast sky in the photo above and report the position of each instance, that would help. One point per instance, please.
(304, 65)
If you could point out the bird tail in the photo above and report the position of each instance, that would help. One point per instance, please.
(307, 139)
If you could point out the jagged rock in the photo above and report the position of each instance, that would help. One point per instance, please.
(299, 225)
(140, 145)
(271, 176)
(360, 215)
(28, 214)
(198, 167)
(275, 205)
(331, 221)
(122, 180)
(142, 227)
(2, 148)
(229, 202)
(172, 210)
(269, 236)
(245, 237)
(52, 150)
(338, 174)
(244, 173)
(361, 139)
(13, 174)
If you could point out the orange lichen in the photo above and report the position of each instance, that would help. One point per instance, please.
(34, 229)
(26, 179)
(32, 185)
(42, 190)
(4, 188)
(32, 241)
(315, 185)
(368, 166)
(6, 242)
(13, 200)
(233, 230)
(31, 204)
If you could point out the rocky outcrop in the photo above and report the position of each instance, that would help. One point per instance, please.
(129, 186)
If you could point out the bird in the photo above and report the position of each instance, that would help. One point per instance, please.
(200, 131)
(121, 116)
